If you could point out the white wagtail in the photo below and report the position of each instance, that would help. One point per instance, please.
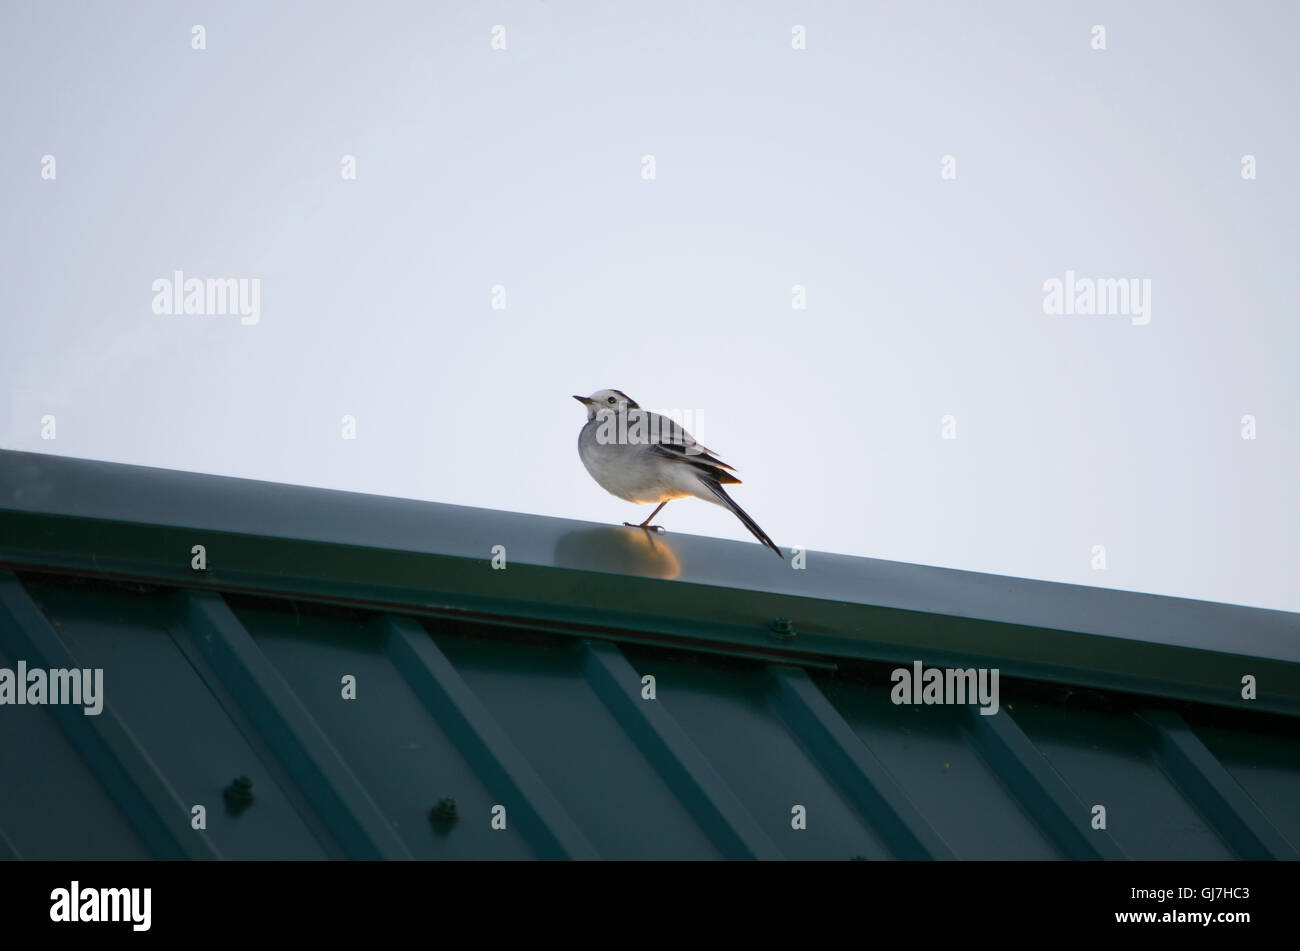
(644, 457)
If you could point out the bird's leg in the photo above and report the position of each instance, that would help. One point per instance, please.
(646, 524)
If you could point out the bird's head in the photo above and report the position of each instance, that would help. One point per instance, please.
(611, 400)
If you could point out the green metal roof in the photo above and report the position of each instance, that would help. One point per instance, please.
(522, 688)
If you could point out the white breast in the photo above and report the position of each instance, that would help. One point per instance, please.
(634, 472)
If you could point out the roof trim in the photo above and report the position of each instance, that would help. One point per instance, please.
(135, 523)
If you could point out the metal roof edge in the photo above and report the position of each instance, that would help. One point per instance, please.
(136, 523)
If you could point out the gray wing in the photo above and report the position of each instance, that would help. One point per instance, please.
(672, 441)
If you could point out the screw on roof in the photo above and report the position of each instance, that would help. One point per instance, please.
(238, 795)
(783, 628)
(444, 815)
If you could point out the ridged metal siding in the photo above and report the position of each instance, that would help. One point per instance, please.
(522, 688)
(203, 687)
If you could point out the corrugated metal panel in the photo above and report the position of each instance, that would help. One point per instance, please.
(556, 730)
(206, 682)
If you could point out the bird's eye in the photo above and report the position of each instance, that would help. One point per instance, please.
(611, 399)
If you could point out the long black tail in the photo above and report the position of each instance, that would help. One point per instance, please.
(721, 495)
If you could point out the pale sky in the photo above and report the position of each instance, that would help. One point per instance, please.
(773, 167)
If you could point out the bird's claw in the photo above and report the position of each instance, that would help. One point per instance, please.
(658, 529)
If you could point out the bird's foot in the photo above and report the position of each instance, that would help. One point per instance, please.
(659, 529)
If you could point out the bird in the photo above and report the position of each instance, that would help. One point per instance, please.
(646, 458)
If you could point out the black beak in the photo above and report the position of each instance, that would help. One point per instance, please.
(582, 399)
